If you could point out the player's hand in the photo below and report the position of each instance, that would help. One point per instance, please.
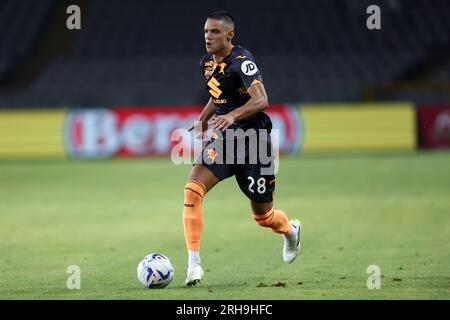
(222, 122)
(200, 127)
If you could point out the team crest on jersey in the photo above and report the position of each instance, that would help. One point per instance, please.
(208, 72)
(209, 69)
(249, 68)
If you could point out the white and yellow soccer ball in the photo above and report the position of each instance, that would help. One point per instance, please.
(155, 271)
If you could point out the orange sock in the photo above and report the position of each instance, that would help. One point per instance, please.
(275, 219)
(193, 214)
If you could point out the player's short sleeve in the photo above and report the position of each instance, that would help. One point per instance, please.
(249, 72)
(201, 64)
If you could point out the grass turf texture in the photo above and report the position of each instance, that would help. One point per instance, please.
(391, 210)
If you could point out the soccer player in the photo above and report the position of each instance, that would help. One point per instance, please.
(238, 99)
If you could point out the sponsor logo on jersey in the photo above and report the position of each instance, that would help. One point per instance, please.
(222, 67)
(249, 68)
(214, 87)
(220, 101)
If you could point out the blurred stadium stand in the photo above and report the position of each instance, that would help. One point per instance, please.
(144, 52)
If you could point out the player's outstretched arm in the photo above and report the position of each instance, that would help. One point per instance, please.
(257, 103)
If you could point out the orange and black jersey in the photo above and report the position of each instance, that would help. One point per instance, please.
(227, 84)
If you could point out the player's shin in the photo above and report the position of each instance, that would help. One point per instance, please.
(194, 192)
(278, 222)
(274, 219)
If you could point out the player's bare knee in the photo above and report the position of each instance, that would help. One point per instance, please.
(259, 208)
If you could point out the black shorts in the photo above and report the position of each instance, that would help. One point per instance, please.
(251, 161)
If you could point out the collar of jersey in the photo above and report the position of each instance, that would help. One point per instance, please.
(232, 53)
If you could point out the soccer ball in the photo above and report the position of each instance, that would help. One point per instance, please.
(155, 271)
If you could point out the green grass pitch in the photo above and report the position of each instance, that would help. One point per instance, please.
(385, 209)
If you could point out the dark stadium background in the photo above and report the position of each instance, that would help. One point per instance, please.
(146, 52)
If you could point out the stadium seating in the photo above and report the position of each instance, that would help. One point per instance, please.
(20, 28)
(146, 52)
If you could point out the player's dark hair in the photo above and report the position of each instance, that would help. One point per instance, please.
(222, 16)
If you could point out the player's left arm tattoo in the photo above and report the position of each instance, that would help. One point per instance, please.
(257, 103)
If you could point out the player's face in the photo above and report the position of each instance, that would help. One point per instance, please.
(217, 36)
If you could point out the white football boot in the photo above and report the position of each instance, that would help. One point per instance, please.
(292, 244)
(194, 275)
